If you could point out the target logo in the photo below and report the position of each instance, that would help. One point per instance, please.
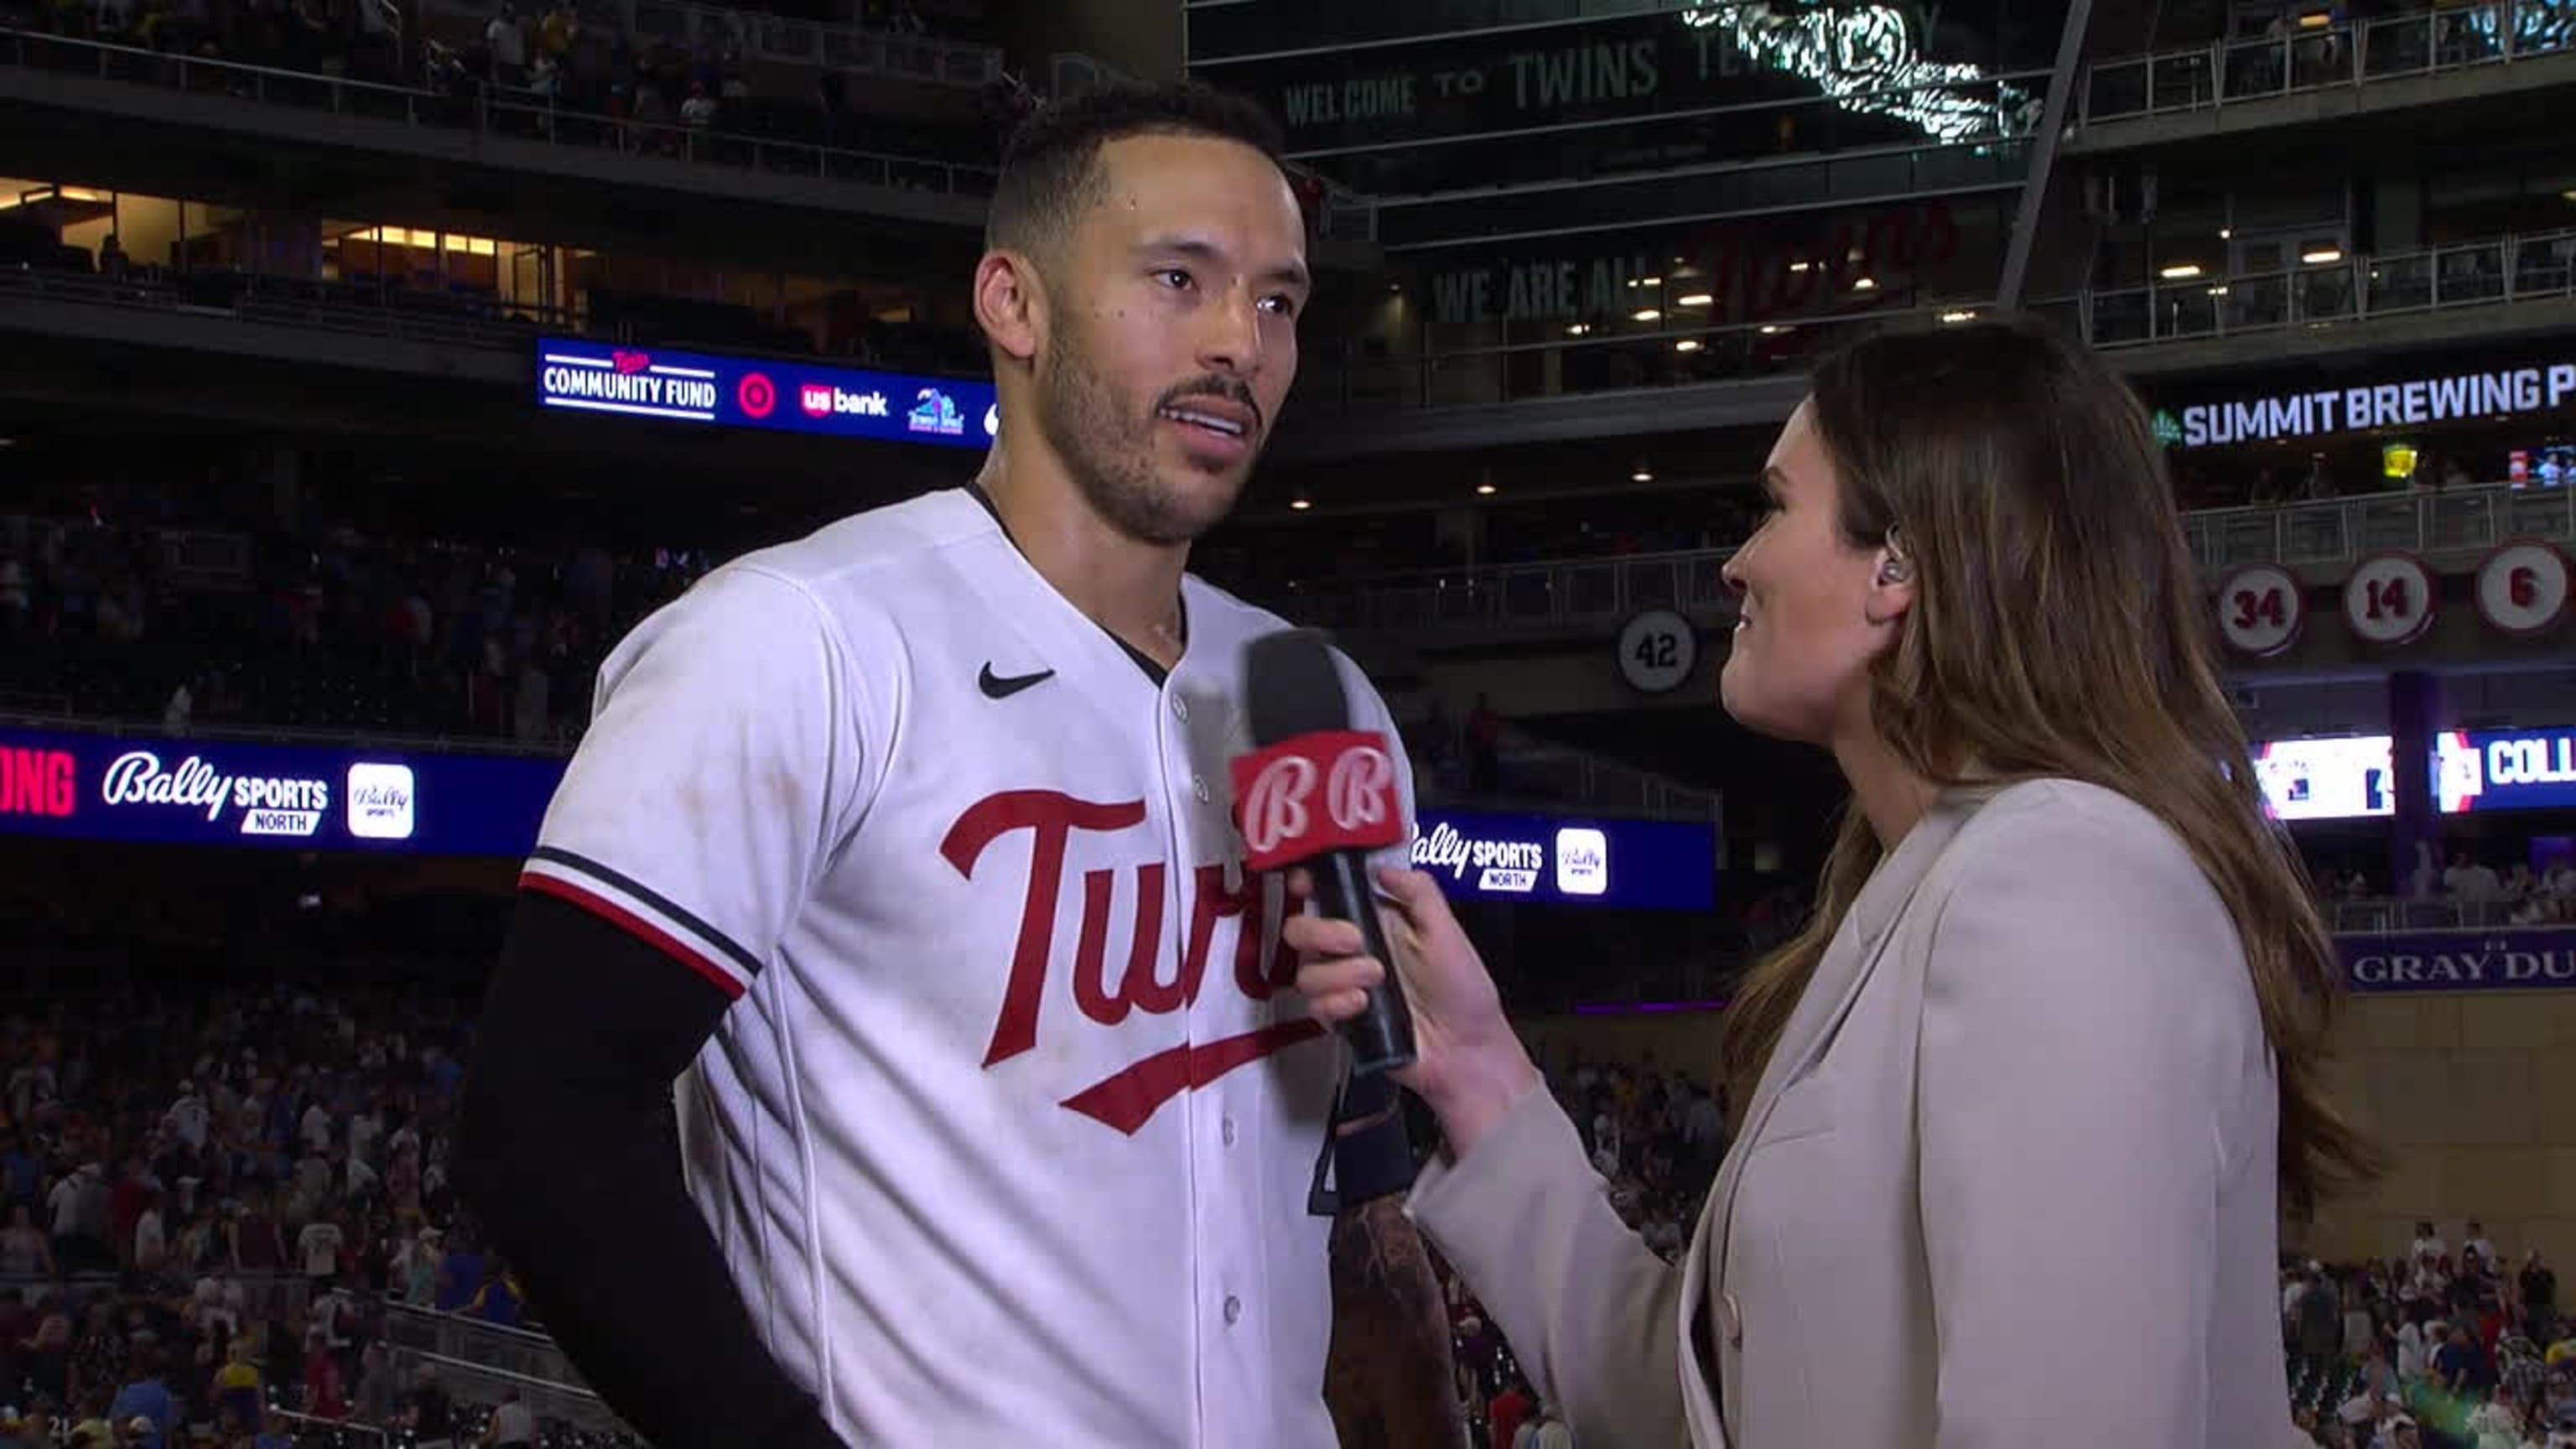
(757, 394)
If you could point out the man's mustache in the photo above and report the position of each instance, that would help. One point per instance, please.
(1230, 389)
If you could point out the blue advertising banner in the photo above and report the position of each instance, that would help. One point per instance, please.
(784, 394)
(2508, 960)
(2515, 770)
(209, 792)
(217, 792)
(2341, 777)
(1659, 865)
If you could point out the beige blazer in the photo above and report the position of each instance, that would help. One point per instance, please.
(2009, 1178)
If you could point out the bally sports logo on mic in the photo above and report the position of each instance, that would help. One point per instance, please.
(1318, 793)
(1314, 792)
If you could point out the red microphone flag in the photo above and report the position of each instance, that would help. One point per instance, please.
(1315, 792)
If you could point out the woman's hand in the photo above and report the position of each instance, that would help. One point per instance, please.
(1468, 1064)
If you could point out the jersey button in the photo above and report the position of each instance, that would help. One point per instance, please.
(1233, 1309)
(1227, 1131)
(1199, 787)
(1180, 708)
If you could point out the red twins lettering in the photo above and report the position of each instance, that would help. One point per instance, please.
(1274, 787)
(1128, 1098)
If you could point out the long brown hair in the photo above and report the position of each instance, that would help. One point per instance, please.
(2058, 629)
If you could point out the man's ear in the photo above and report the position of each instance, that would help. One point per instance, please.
(1011, 302)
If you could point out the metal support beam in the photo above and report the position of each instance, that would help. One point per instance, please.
(2043, 157)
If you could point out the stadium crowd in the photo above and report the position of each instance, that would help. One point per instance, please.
(2431, 1349)
(331, 630)
(2524, 893)
(560, 60)
(214, 1200)
(326, 626)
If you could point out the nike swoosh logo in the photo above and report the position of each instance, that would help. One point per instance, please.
(1127, 1099)
(999, 686)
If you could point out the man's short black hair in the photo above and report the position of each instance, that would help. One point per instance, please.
(1051, 168)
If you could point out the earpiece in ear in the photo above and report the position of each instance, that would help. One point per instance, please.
(1896, 568)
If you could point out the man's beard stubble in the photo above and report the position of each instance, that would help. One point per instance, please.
(1110, 455)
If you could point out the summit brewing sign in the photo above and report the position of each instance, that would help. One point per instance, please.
(2457, 398)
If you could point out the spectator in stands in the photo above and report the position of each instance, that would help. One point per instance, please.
(416, 1268)
(507, 42)
(2478, 1248)
(2415, 1349)
(460, 1275)
(1484, 747)
(1509, 1408)
(215, 1307)
(144, 1397)
(151, 1246)
(698, 113)
(323, 1395)
(2497, 1423)
(32, 1430)
(318, 1248)
(2539, 1285)
(1546, 1429)
(431, 1414)
(378, 1388)
(2471, 881)
(79, 1204)
(238, 1400)
(98, 1357)
(403, 1182)
(512, 1424)
(498, 1301)
(46, 1359)
(2455, 1363)
(2360, 1328)
(23, 1250)
(90, 1426)
(2428, 1243)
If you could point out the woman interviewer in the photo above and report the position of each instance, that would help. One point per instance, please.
(2024, 1097)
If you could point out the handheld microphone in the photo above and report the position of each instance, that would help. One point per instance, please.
(1316, 792)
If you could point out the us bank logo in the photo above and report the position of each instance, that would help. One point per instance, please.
(1582, 861)
(382, 801)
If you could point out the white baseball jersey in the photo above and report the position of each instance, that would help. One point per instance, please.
(1009, 1135)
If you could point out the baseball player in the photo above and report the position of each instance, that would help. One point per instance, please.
(906, 848)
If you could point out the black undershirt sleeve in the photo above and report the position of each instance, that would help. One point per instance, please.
(1372, 1151)
(568, 1153)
